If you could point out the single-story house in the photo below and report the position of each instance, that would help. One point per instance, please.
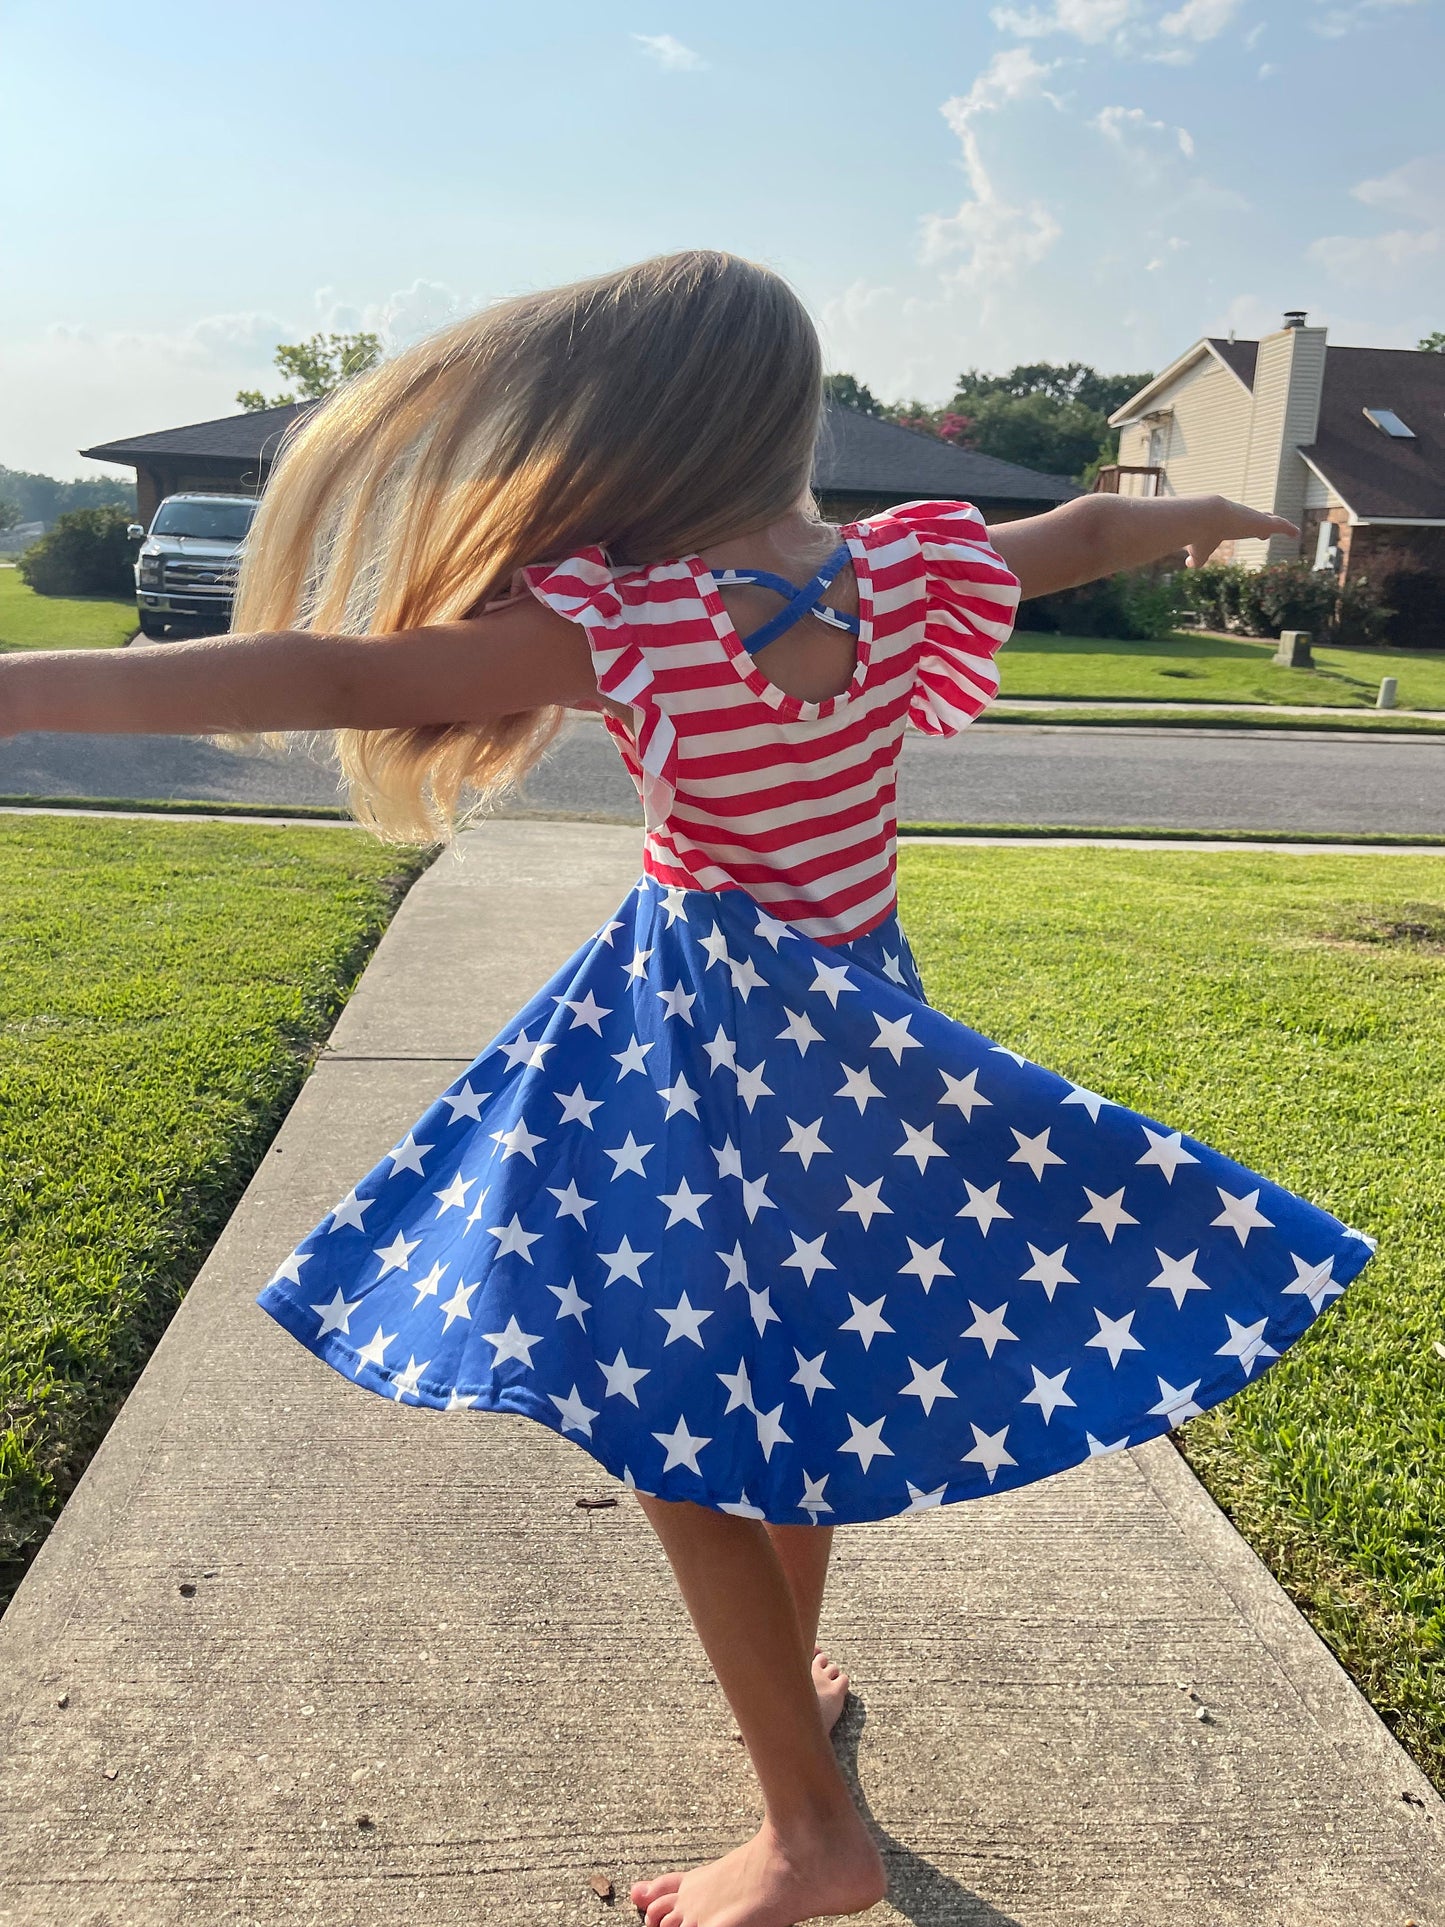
(863, 465)
(1349, 443)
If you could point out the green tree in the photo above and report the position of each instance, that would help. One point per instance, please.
(1037, 431)
(316, 366)
(86, 553)
(851, 393)
(1434, 342)
(9, 513)
(40, 498)
(1060, 381)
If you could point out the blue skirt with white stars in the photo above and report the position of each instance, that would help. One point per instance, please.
(757, 1227)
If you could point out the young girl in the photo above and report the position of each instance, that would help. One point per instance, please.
(728, 1204)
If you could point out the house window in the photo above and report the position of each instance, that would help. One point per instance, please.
(1389, 421)
(1327, 547)
(1158, 441)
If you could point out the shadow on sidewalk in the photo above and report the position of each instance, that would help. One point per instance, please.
(919, 1891)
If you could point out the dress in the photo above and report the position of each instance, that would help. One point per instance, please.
(728, 1203)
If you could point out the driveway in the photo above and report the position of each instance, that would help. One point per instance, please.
(1009, 773)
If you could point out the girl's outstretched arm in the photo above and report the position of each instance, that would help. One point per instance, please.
(520, 655)
(1098, 535)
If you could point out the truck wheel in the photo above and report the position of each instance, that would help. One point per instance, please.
(152, 627)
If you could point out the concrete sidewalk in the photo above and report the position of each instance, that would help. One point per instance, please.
(297, 1655)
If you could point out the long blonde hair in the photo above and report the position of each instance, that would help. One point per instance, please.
(652, 411)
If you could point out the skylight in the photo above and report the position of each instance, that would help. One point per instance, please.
(1390, 422)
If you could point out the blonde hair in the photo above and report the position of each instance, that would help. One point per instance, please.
(651, 411)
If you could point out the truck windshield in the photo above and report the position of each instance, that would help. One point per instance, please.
(210, 521)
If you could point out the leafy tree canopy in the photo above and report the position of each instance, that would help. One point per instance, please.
(40, 498)
(851, 392)
(1060, 381)
(1434, 342)
(316, 366)
(9, 513)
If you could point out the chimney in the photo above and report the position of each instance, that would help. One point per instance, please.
(1288, 379)
(1294, 317)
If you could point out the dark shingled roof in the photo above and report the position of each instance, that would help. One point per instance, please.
(1238, 355)
(1374, 474)
(856, 456)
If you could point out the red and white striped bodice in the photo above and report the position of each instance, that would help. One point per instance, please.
(747, 788)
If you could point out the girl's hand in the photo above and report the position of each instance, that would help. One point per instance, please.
(1220, 520)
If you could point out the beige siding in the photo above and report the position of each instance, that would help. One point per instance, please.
(1288, 376)
(1204, 433)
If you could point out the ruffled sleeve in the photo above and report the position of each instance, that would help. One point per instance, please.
(972, 601)
(585, 588)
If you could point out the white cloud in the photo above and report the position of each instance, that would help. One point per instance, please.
(669, 52)
(995, 238)
(1336, 20)
(1359, 260)
(1131, 130)
(1266, 70)
(1087, 20)
(1200, 19)
(1416, 190)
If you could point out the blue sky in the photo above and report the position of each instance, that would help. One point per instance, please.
(947, 185)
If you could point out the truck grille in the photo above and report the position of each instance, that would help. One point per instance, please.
(219, 577)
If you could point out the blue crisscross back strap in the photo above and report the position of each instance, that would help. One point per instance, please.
(807, 601)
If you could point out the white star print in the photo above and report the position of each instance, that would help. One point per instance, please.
(1049, 1270)
(1242, 1215)
(919, 1145)
(628, 1157)
(867, 1201)
(454, 1194)
(683, 1204)
(810, 1374)
(1098, 1449)
(621, 1377)
(806, 1141)
(770, 1430)
(921, 1501)
(988, 1326)
(1114, 1336)
(575, 1416)
(1108, 1213)
(631, 1058)
(729, 1159)
(682, 1447)
(831, 980)
(513, 1343)
(407, 1384)
(571, 1203)
(460, 1401)
(375, 1352)
(511, 1237)
(518, 1141)
(983, 1206)
(1246, 1343)
(465, 1103)
(674, 898)
(474, 1216)
(577, 1108)
(396, 1256)
(335, 1317)
(570, 1302)
(289, 1269)
(866, 1441)
(624, 1262)
(716, 946)
(408, 1155)
(859, 1086)
(1177, 1276)
(771, 930)
(678, 1002)
(743, 1509)
(740, 1388)
(925, 1264)
(680, 1097)
(1002, 1050)
(586, 1011)
(988, 1451)
(1034, 1152)
(808, 1257)
(1174, 1404)
(755, 1197)
(604, 935)
(894, 1037)
(800, 1030)
(927, 1386)
(760, 1306)
(963, 1093)
(867, 1320)
(812, 1499)
(523, 1051)
(1167, 1151)
(722, 1052)
(893, 968)
(745, 976)
(350, 1211)
(637, 969)
(459, 1305)
(736, 1263)
(751, 1085)
(1315, 1282)
(1048, 1393)
(1091, 1101)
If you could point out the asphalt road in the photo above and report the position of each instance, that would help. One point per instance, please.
(1166, 778)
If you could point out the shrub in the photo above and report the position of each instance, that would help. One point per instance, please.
(1416, 616)
(1205, 590)
(1292, 595)
(1287, 595)
(1135, 608)
(86, 553)
(1361, 616)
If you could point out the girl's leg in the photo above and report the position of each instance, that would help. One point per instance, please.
(812, 1855)
(803, 1553)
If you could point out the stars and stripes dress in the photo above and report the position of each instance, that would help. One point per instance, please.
(728, 1203)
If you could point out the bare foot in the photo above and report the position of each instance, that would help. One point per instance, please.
(770, 1883)
(830, 1683)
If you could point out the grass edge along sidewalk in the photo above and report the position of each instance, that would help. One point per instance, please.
(1287, 1009)
(163, 991)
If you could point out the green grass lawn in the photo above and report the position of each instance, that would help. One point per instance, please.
(162, 989)
(30, 621)
(1213, 669)
(1291, 1011)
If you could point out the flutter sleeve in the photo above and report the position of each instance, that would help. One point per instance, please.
(586, 589)
(972, 600)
